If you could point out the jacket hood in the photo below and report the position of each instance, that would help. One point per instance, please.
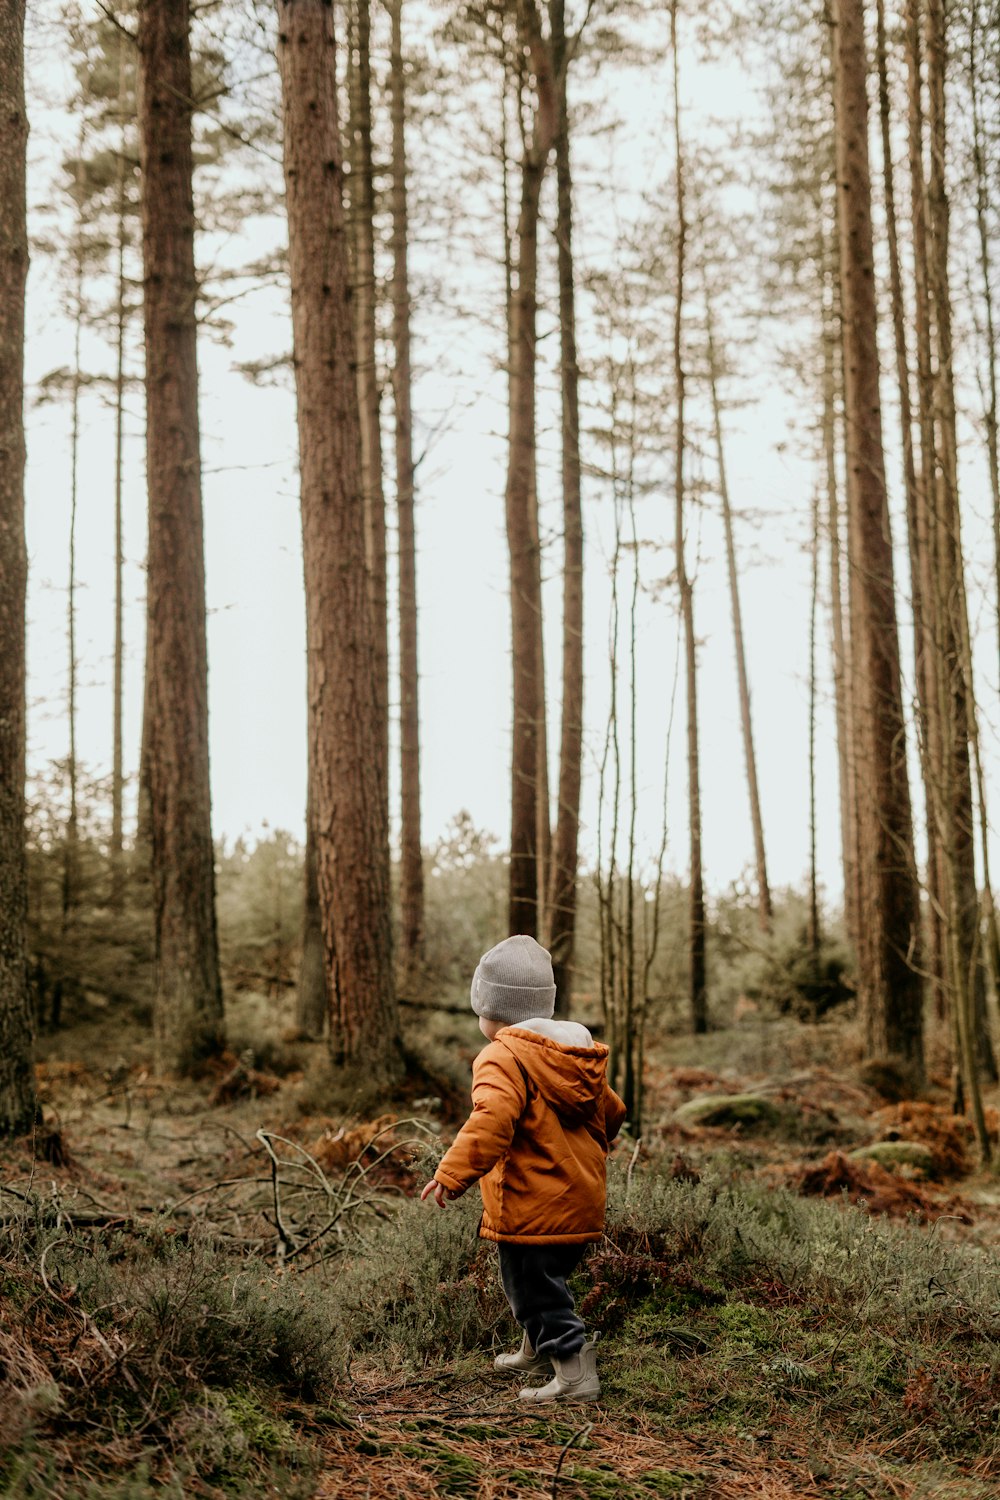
(569, 1076)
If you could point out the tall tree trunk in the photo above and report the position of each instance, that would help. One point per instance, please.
(954, 623)
(982, 190)
(842, 694)
(187, 1012)
(696, 913)
(71, 852)
(17, 1083)
(411, 875)
(888, 974)
(344, 704)
(916, 525)
(812, 926)
(922, 543)
(565, 854)
(522, 530)
(764, 909)
(121, 319)
(362, 225)
(312, 1002)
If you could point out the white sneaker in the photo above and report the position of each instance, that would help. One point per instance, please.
(524, 1361)
(575, 1378)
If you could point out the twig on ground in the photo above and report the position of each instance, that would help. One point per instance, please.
(579, 1437)
(285, 1241)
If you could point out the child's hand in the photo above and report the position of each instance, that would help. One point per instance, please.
(441, 1193)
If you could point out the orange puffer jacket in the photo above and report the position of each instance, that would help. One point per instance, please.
(537, 1139)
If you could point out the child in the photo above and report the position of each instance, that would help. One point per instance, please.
(537, 1139)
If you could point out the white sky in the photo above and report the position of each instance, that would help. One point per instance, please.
(253, 556)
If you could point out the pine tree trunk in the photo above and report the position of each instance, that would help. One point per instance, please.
(522, 531)
(954, 620)
(843, 697)
(17, 1084)
(764, 909)
(565, 856)
(813, 936)
(362, 226)
(915, 506)
(696, 911)
(411, 875)
(117, 764)
(187, 1013)
(71, 851)
(889, 981)
(922, 541)
(344, 703)
(982, 191)
(312, 995)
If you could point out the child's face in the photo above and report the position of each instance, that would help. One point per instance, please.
(490, 1029)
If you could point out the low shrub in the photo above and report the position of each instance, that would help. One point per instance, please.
(168, 1352)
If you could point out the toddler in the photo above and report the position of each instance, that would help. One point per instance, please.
(536, 1141)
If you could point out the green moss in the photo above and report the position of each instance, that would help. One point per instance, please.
(454, 1473)
(603, 1482)
(742, 1323)
(480, 1432)
(669, 1481)
(332, 1416)
(891, 1154)
(457, 1474)
(747, 1111)
(522, 1477)
(553, 1432)
(263, 1431)
(648, 1378)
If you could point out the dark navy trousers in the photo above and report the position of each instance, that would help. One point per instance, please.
(534, 1279)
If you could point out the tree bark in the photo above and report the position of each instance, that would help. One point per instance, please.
(813, 935)
(362, 225)
(843, 696)
(565, 851)
(71, 852)
(982, 191)
(312, 1003)
(344, 705)
(411, 875)
(696, 906)
(889, 983)
(17, 1084)
(916, 524)
(121, 318)
(521, 520)
(922, 541)
(954, 624)
(187, 1011)
(764, 908)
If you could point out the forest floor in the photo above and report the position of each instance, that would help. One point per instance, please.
(746, 1370)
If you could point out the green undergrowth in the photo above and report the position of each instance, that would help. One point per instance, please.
(132, 1366)
(130, 1363)
(736, 1309)
(728, 1309)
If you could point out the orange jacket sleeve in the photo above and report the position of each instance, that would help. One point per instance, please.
(499, 1097)
(614, 1112)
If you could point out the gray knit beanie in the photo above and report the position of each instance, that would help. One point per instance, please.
(513, 982)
